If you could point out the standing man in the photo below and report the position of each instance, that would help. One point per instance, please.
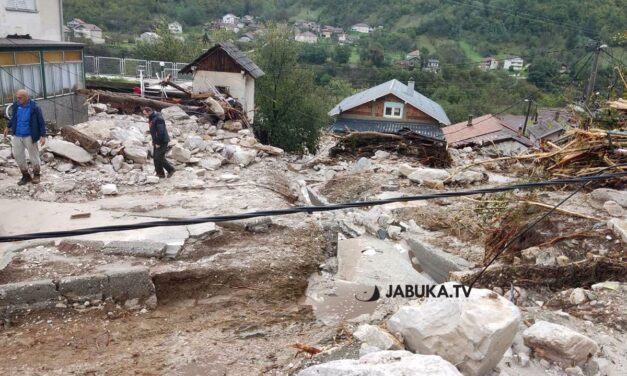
(27, 127)
(160, 140)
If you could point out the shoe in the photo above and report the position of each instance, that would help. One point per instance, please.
(171, 173)
(161, 176)
(36, 179)
(25, 179)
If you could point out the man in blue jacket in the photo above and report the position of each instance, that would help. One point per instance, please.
(27, 127)
(160, 140)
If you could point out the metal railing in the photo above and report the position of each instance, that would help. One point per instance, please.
(127, 67)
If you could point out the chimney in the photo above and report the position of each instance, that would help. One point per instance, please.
(410, 86)
(469, 121)
(557, 116)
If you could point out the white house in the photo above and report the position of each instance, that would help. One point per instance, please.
(362, 28)
(175, 27)
(227, 69)
(39, 19)
(230, 18)
(516, 63)
(89, 31)
(489, 63)
(149, 37)
(433, 65)
(306, 37)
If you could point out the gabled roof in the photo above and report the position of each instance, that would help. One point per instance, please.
(430, 131)
(483, 129)
(398, 89)
(235, 53)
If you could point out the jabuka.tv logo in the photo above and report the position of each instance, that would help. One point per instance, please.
(415, 291)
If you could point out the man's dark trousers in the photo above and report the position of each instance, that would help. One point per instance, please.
(161, 164)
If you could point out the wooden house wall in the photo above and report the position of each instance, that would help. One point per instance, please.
(219, 61)
(374, 110)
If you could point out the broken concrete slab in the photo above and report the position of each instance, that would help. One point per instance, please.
(28, 295)
(68, 150)
(131, 283)
(436, 263)
(135, 248)
(473, 333)
(202, 230)
(559, 343)
(254, 225)
(373, 262)
(84, 287)
(385, 363)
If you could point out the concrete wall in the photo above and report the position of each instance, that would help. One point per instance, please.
(64, 110)
(45, 23)
(241, 86)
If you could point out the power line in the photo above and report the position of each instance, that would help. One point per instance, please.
(308, 209)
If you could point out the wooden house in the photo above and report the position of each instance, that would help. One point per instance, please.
(390, 108)
(228, 70)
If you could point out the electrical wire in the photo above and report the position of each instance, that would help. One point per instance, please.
(307, 209)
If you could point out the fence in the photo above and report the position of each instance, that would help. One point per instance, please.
(126, 67)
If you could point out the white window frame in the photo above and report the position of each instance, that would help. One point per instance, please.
(28, 6)
(393, 106)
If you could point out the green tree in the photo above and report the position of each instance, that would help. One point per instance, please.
(342, 54)
(168, 47)
(313, 54)
(542, 73)
(290, 112)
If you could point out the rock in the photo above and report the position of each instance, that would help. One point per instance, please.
(394, 232)
(613, 209)
(232, 126)
(212, 131)
(362, 165)
(248, 142)
(236, 155)
(116, 162)
(152, 179)
(607, 285)
(46, 157)
(104, 151)
(64, 186)
(68, 150)
(381, 155)
(606, 194)
(384, 363)
(473, 333)
(619, 226)
(128, 136)
(424, 173)
(469, 177)
(173, 113)
(529, 254)
(574, 371)
(546, 257)
(367, 349)
(212, 163)
(406, 170)
(215, 107)
(229, 178)
(137, 154)
(562, 260)
(181, 154)
(377, 337)
(99, 107)
(559, 343)
(64, 167)
(272, 150)
(109, 189)
(195, 142)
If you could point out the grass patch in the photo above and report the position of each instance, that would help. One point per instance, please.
(470, 52)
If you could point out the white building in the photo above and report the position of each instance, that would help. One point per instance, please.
(516, 63)
(306, 37)
(227, 69)
(433, 65)
(41, 19)
(175, 27)
(362, 28)
(230, 18)
(89, 31)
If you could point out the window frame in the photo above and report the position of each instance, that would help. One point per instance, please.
(35, 9)
(393, 106)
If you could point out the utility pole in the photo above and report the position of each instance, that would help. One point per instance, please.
(598, 47)
(526, 116)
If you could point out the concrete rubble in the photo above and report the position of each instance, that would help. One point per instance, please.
(341, 287)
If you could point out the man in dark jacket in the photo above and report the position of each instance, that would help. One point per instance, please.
(160, 140)
(27, 127)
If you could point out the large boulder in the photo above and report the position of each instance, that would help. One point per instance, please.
(117, 162)
(238, 156)
(559, 343)
(128, 136)
(137, 154)
(422, 174)
(472, 333)
(181, 154)
(377, 337)
(384, 363)
(212, 163)
(215, 107)
(362, 165)
(68, 150)
(174, 113)
(195, 142)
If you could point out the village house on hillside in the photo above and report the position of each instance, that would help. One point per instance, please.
(513, 63)
(82, 29)
(306, 37)
(229, 71)
(230, 18)
(35, 57)
(175, 27)
(488, 132)
(548, 125)
(389, 108)
(362, 28)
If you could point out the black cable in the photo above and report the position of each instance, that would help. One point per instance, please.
(304, 209)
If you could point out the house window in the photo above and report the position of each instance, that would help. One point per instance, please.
(22, 5)
(393, 110)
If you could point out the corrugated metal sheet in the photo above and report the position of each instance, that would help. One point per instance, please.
(428, 130)
(235, 53)
(398, 89)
